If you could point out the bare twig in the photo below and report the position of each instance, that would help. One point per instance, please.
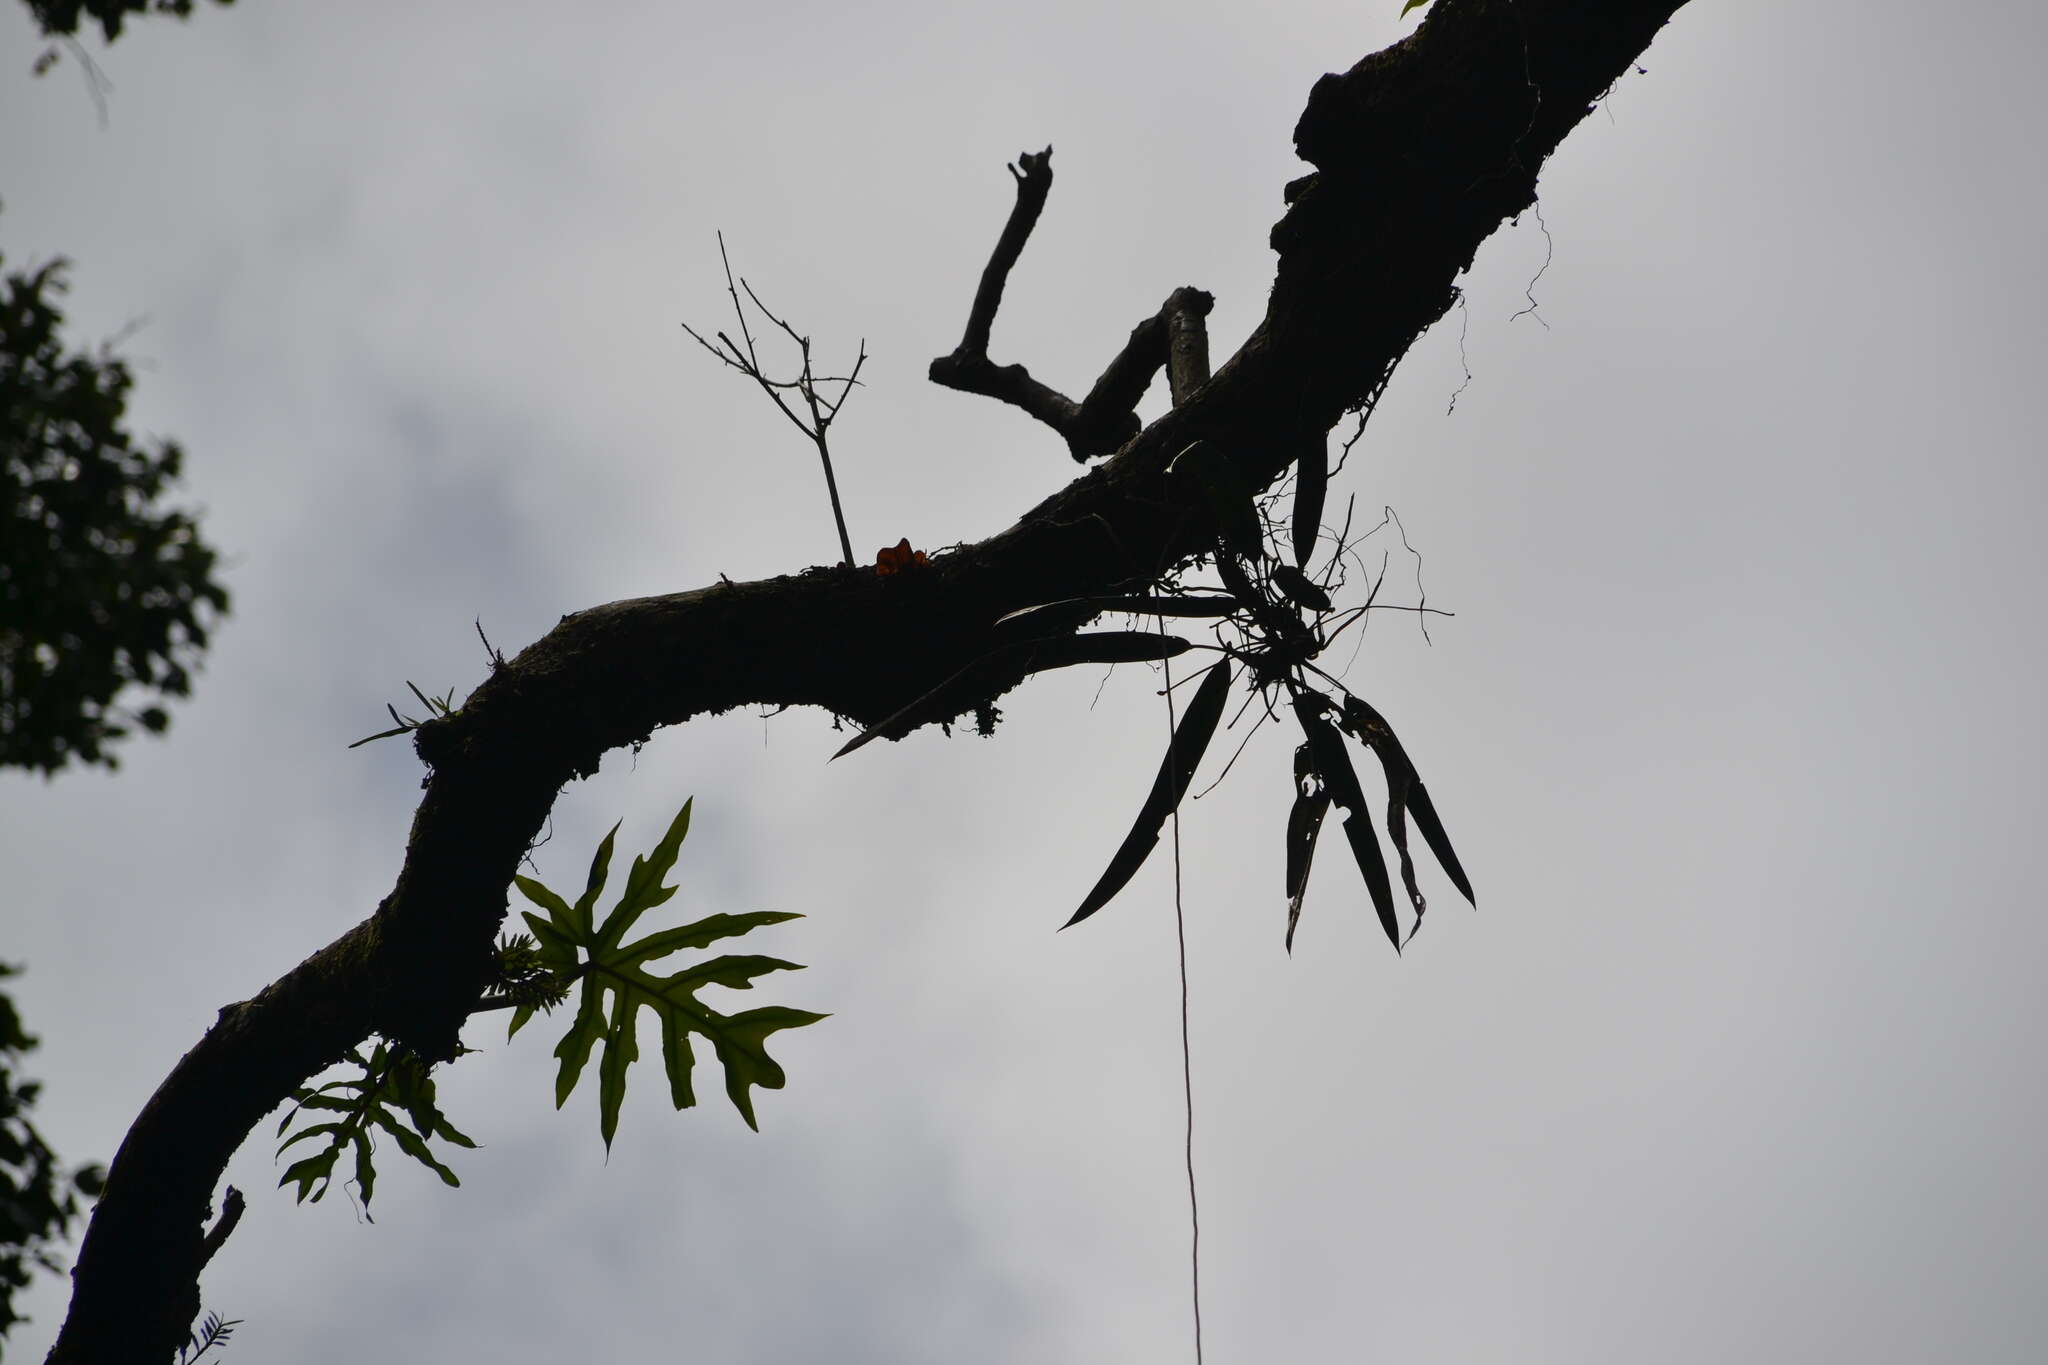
(744, 357)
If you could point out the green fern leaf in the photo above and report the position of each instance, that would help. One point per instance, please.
(615, 980)
(391, 1083)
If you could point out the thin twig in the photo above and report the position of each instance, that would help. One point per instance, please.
(747, 360)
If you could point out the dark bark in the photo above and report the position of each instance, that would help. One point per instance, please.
(1102, 422)
(1420, 151)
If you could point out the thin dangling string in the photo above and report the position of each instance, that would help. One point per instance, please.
(1187, 1077)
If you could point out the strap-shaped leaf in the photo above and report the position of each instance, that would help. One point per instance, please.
(1311, 483)
(1340, 780)
(1073, 612)
(1190, 741)
(1103, 647)
(1304, 822)
(968, 685)
(1397, 831)
(615, 982)
(1205, 475)
(1365, 848)
(1371, 727)
(1299, 588)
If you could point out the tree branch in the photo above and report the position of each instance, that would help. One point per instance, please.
(1101, 423)
(1420, 152)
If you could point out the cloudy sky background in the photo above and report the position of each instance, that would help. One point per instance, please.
(1737, 726)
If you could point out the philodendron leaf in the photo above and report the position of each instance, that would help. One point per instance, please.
(392, 1082)
(1304, 822)
(1333, 766)
(615, 981)
(1190, 741)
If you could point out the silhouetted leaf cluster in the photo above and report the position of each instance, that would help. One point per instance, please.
(62, 18)
(1273, 620)
(102, 589)
(38, 1197)
(437, 708)
(213, 1331)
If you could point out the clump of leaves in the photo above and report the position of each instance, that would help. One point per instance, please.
(213, 1331)
(605, 968)
(395, 1093)
(104, 592)
(524, 978)
(437, 709)
(1272, 621)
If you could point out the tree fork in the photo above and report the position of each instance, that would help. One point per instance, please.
(1419, 150)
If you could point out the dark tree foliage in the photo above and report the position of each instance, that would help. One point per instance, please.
(61, 18)
(38, 1197)
(103, 592)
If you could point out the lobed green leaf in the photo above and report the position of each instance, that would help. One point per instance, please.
(615, 980)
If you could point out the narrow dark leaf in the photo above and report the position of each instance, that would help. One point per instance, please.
(966, 687)
(1326, 752)
(1231, 571)
(1204, 474)
(1299, 588)
(381, 734)
(1311, 482)
(1340, 780)
(1397, 832)
(1074, 612)
(1190, 741)
(1371, 727)
(1104, 647)
(1366, 849)
(1420, 806)
(947, 699)
(1304, 822)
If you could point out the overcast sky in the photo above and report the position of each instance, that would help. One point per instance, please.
(1737, 727)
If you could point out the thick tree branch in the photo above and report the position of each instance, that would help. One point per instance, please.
(1107, 418)
(1420, 152)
